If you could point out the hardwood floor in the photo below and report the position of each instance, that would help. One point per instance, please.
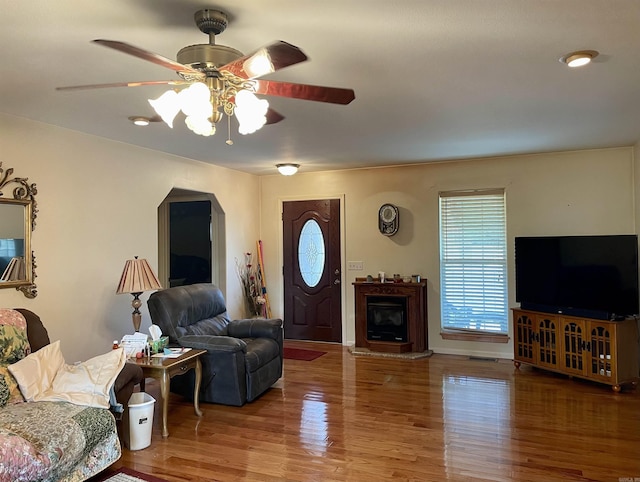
(341, 417)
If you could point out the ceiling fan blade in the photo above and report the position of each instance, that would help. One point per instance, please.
(124, 84)
(146, 55)
(273, 116)
(265, 60)
(333, 95)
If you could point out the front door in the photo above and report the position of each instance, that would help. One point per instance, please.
(312, 270)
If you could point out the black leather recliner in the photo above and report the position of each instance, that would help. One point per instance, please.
(244, 357)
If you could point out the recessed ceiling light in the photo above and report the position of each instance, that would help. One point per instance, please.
(287, 169)
(579, 58)
(140, 120)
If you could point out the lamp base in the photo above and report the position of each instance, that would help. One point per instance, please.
(136, 316)
(137, 320)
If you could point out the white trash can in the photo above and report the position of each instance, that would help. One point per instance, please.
(140, 420)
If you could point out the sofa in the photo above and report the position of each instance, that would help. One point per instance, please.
(244, 357)
(53, 440)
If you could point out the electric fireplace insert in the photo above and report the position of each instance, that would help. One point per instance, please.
(387, 318)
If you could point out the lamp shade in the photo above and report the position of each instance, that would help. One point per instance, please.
(137, 277)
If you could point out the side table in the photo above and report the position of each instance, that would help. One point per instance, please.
(163, 369)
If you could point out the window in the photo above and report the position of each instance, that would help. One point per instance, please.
(473, 261)
(311, 253)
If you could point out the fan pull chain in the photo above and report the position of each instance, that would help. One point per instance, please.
(229, 141)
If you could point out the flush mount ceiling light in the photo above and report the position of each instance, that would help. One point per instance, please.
(140, 120)
(287, 169)
(579, 58)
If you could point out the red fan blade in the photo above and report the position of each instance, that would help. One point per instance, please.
(333, 95)
(124, 84)
(146, 55)
(273, 116)
(265, 60)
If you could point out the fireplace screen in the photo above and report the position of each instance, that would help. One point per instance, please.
(387, 319)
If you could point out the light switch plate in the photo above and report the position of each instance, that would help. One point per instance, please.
(355, 265)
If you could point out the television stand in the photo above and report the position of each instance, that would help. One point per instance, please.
(604, 351)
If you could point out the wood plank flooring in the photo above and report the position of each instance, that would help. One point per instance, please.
(444, 418)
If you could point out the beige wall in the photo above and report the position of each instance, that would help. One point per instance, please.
(98, 207)
(97, 203)
(586, 192)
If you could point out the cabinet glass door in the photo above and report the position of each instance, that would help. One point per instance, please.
(573, 344)
(524, 332)
(601, 356)
(547, 345)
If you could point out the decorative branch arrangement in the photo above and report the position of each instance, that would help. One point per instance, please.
(251, 286)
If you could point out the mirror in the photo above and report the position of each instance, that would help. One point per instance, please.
(17, 222)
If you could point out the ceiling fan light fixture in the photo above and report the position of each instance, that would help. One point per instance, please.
(222, 81)
(167, 106)
(579, 58)
(195, 100)
(250, 111)
(287, 169)
(200, 125)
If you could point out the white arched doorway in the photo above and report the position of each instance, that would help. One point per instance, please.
(181, 204)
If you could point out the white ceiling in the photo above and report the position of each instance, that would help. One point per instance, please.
(434, 79)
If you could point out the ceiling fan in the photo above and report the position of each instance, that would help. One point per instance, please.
(222, 78)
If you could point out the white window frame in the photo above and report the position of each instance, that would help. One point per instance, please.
(473, 262)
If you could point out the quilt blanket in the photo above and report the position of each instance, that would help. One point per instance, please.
(55, 441)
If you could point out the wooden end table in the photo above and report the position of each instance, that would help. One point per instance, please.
(164, 369)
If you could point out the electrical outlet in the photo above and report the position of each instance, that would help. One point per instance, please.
(355, 265)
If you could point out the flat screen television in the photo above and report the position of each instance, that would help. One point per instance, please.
(590, 276)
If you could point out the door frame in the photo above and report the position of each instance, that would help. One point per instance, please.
(343, 263)
(218, 235)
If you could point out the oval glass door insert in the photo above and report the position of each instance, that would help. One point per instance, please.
(311, 253)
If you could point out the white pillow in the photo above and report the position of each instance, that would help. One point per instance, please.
(86, 383)
(35, 372)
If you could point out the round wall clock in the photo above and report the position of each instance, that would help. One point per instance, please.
(388, 219)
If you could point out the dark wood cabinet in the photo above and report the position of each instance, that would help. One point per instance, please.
(414, 296)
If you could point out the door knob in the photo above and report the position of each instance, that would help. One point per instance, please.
(336, 282)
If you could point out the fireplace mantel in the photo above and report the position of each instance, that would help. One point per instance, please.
(416, 296)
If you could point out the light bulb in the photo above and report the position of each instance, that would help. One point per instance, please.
(258, 64)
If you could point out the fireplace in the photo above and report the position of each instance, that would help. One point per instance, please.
(387, 318)
(391, 317)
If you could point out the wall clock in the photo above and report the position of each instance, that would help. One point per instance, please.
(388, 219)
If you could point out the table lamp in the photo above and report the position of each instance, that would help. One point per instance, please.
(136, 278)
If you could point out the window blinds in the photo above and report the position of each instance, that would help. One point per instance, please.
(473, 261)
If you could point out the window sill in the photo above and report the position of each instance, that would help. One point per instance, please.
(481, 337)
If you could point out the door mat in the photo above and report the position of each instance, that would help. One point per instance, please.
(302, 354)
(124, 474)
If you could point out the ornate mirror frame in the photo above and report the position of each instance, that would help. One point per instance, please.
(20, 272)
